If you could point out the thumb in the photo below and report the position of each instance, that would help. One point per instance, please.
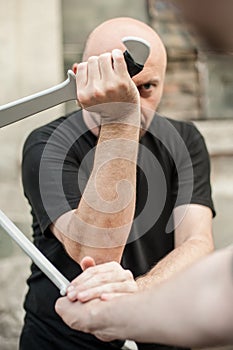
(86, 262)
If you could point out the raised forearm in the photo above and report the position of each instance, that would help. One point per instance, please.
(109, 195)
(104, 216)
(100, 225)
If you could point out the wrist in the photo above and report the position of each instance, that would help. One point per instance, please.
(122, 113)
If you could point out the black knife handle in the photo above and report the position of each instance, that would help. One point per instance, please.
(132, 66)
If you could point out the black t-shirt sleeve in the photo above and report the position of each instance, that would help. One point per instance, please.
(50, 178)
(194, 171)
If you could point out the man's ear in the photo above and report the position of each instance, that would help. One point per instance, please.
(75, 68)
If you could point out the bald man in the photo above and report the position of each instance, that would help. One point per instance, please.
(116, 182)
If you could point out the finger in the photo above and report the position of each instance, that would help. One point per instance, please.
(87, 262)
(81, 76)
(92, 271)
(81, 82)
(119, 64)
(103, 278)
(97, 292)
(93, 71)
(71, 293)
(110, 296)
(106, 67)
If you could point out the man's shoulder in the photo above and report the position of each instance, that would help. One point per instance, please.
(163, 125)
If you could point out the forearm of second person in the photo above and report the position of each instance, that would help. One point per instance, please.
(99, 227)
(192, 309)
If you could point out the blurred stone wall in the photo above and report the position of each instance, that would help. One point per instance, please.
(30, 60)
(198, 87)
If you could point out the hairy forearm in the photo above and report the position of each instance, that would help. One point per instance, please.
(109, 197)
(182, 256)
(100, 226)
(192, 309)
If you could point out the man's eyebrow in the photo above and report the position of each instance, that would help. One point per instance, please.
(154, 80)
(151, 81)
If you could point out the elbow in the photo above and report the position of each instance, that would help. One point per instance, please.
(100, 251)
(103, 242)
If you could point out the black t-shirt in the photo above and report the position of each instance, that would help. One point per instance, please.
(173, 169)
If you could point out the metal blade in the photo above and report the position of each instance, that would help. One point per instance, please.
(136, 54)
(37, 257)
(138, 48)
(24, 107)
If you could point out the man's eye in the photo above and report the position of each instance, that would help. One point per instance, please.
(147, 89)
(146, 86)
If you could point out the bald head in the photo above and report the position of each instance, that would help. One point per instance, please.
(109, 34)
(150, 81)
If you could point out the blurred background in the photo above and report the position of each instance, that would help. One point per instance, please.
(39, 41)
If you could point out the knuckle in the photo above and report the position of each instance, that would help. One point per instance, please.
(58, 307)
(119, 58)
(91, 96)
(82, 66)
(114, 265)
(104, 56)
(110, 88)
(103, 278)
(92, 59)
(89, 275)
(129, 275)
(73, 324)
(98, 93)
(82, 98)
(123, 85)
(131, 286)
